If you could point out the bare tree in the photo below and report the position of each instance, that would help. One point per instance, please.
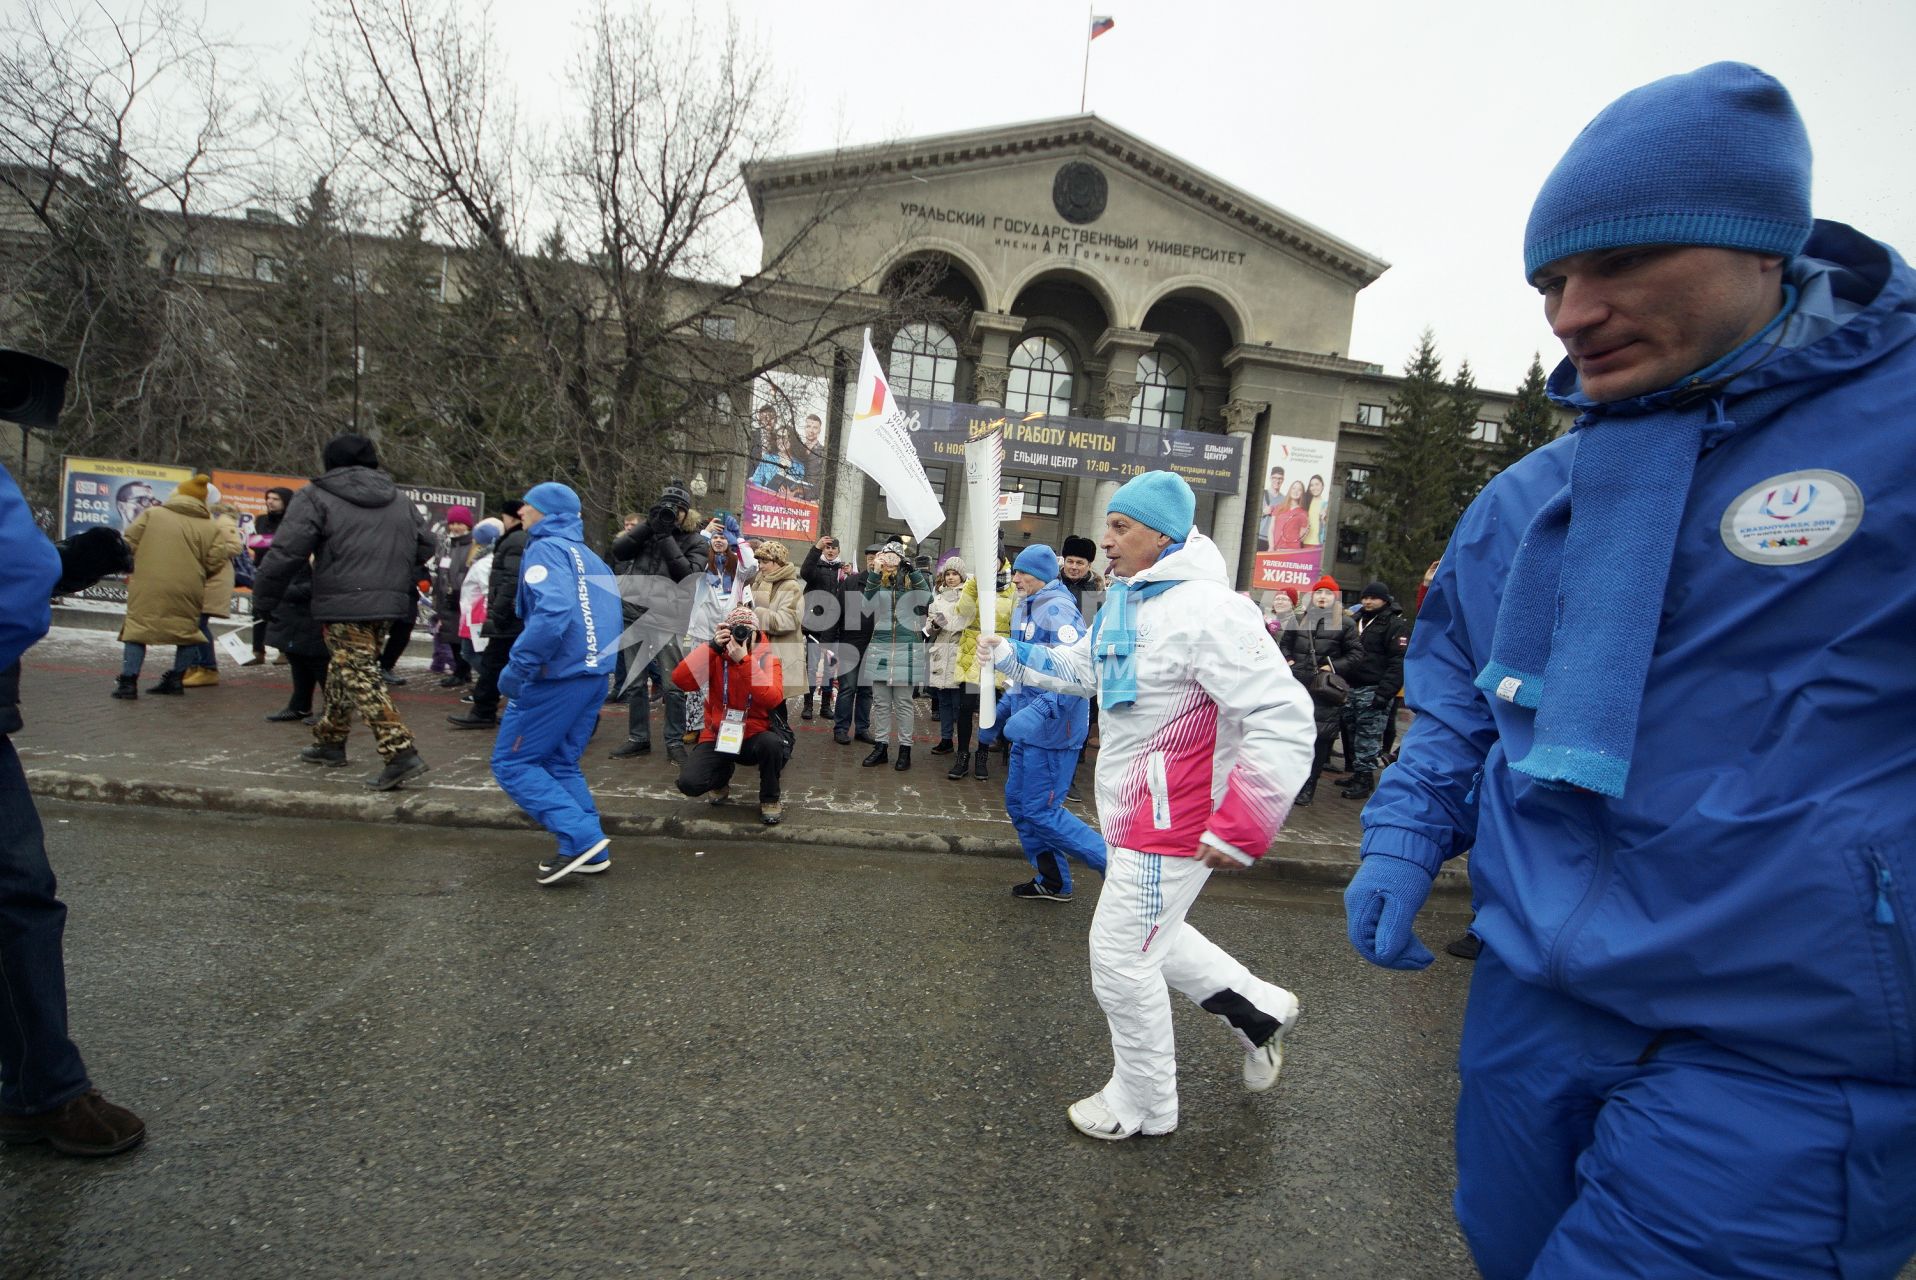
(115, 136)
(624, 301)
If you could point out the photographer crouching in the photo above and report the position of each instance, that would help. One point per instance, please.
(744, 685)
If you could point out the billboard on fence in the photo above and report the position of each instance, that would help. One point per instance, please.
(246, 490)
(1294, 496)
(107, 491)
(433, 503)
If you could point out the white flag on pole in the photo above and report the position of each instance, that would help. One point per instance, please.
(880, 446)
(984, 473)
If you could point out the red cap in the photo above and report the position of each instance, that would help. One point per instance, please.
(1327, 583)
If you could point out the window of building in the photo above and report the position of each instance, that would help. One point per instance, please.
(1356, 483)
(200, 260)
(924, 363)
(938, 477)
(1487, 430)
(268, 270)
(1370, 415)
(1352, 545)
(1163, 384)
(1041, 379)
(1042, 497)
(719, 328)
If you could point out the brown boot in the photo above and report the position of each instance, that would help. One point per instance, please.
(89, 1125)
(200, 677)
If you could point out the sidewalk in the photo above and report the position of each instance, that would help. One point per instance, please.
(212, 749)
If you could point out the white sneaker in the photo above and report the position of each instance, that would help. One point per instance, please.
(1262, 1064)
(1093, 1119)
(559, 868)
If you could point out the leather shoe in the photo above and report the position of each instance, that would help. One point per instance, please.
(286, 715)
(88, 1125)
(472, 720)
(904, 759)
(879, 754)
(629, 748)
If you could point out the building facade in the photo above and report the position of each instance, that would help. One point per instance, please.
(1092, 276)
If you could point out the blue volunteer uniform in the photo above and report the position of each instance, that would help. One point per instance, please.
(1690, 1048)
(568, 602)
(1047, 730)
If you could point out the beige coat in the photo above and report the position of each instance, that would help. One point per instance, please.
(218, 600)
(778, 599)
(177, 550)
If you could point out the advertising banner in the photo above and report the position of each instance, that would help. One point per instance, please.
(106, 491)
(1091, 447)
(1291, 513)
(788, 434)
(246, 490)
(769, 514)
(432, 503)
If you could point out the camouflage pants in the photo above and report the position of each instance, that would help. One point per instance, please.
(354, 683)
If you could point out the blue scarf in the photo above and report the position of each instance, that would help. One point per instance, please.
(1579, 615)
(1114, 638)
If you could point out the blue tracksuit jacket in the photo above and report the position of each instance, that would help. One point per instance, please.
(569, 603)
(1048, 616)
(1756, 882)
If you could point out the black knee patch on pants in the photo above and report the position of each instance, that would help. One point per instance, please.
(1256, 1024)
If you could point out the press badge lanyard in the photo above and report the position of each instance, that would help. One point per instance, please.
(731, 733)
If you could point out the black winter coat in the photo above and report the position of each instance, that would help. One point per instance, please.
(1307, 649)
(1382, 638)
(448, 574)
(366, 541)
(293, 627)
(502, 588)
(819, 618)
(647, 551)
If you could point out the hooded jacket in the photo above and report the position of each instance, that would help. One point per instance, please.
(1381, 640)
(29, 570)
(367, 542)
(1755, 883)
(568, 605)
(1042, 717)
(502, 587)
(1220, 736)
(177, 549)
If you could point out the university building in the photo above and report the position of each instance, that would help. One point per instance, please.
(1095, 277)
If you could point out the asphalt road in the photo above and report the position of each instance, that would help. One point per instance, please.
(379, 1050)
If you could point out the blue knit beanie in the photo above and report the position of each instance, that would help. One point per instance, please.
(1038, 560)
(552, 499)
(1717, 157)
(1158, 500)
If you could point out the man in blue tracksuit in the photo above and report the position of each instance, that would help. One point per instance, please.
(568, 602)
(1046, 731)
(1663, 686)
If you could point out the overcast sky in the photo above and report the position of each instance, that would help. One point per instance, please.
(1418, 132)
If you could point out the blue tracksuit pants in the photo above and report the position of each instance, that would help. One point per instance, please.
(536, 757)
(1034, 801)
(1589, 1146)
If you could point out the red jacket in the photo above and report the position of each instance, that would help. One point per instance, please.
(755, 686)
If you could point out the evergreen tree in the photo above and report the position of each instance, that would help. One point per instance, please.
(1532, 420)
(1425, 474)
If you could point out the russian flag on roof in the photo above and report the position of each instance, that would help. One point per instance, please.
(1100, 25)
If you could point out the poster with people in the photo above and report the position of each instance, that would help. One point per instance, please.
(106, 491)
(1293, 509)
(786, 485)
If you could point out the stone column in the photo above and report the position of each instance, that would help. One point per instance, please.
(1119, 349)
(1227, 529)
(995, 333)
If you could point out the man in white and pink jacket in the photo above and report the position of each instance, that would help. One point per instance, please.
(1206, 737)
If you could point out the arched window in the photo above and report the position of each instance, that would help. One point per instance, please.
(924, 363)
(1163, 383)
(1041, 379)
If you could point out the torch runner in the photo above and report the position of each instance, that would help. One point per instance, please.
(984, 471)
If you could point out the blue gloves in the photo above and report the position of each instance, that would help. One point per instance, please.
(1379, 905)
(511, 682)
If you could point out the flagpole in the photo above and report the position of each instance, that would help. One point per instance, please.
(1084, 80)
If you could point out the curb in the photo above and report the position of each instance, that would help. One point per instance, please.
(1307, 863)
